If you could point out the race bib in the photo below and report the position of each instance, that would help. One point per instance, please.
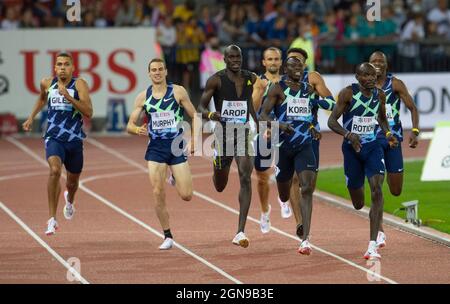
(234, 111)
(58, 102)
(298, 109)
(163, 121)
(389, 115)
(363, 125)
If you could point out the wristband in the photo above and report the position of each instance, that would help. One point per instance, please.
(137, 130)
(415, 131)
(388, 133)
(210, 114)
(311, 127)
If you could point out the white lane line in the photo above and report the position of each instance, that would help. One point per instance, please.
(129, 216)
(29, 174)
(75, 273)
(224, 206)
(110, 175)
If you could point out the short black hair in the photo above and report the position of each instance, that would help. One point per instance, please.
(65, 55)
(156, 60)
(232, 47)
(272, 48)
(298, 50)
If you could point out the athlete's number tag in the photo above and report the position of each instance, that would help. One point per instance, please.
(58, 102)
(389, 115)
(234, 111)
(163, 121)
(298, 109)
(363, 125)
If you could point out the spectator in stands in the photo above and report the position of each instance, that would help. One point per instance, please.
(386, 30)
(211, 60)
(233, 29)
(189, 40)
(28, 20)
(409, 47)
(441, 16)
(206, 23)
(352, 50)
(328, 36)
(99, 15)
(305, 41)
(152, 14)
(10, 22)
(184, 11)
(126, 16)
(399, 14)
(88, 19)
(277, 35)
(166, 35)
(253, 25)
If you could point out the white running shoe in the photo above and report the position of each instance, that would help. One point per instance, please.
(167, 244)
(171, 180)
(68, 209)
(305, 248)
(52, 226)
(265, 221)
(241, 240)
(286, 211)
(381, 239)
(372, 252)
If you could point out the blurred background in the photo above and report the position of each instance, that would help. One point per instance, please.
(113, 40)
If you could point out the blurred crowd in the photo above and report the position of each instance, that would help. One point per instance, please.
(336, 33)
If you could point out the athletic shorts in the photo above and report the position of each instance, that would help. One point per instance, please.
(315, 146)
(369, 162)
(393, 157)
(70, 153)
(263, 162)
(229, 144)
(160, 151)
(298, 158)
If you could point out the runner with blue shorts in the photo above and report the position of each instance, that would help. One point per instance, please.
(68, 101)
(363, 106)
(164, 104)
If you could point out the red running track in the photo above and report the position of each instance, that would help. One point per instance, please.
(115, 233)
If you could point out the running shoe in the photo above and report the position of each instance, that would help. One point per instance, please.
(265, 221)
(381, 239)
(52, 226)
(372, 252)
(305, 248)
(241, 240)
(286, 211)
(68, 209)
(167, 244)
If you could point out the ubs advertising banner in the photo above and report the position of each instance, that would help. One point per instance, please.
(112, 61)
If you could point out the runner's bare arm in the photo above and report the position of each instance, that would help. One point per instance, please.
(404, 95)
(251, 107)
(183, 98)
(316, 80)
(344, 98)
(132, 128)
(84, 105)
(40, 103)
(382, 120)
(212, 85)
(258, 91)
(273, 96)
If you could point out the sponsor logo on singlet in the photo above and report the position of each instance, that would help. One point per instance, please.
(234, 111)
